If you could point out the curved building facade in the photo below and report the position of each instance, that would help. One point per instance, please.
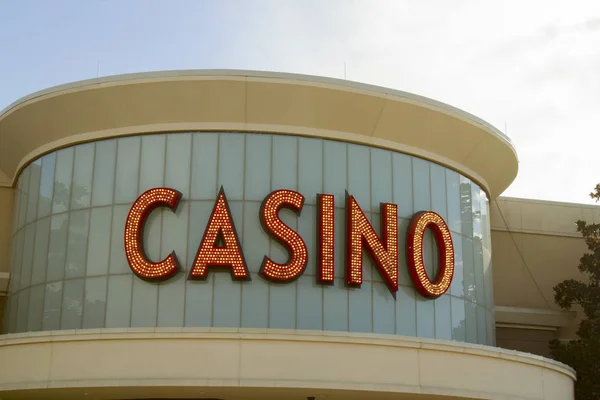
(241, 235)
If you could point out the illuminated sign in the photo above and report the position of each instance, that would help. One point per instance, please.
(220, 247)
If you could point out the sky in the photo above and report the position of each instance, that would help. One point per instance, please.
(531, 68)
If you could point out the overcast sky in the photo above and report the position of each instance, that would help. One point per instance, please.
(533, 66)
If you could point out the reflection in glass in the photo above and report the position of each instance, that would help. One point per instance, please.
(83, 167)
(104, 172)
(46, 185)
(77, 244)
(72, 305)
(63, 176)
(95, 302)
(466, 210)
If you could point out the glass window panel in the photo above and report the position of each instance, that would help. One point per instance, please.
(481, 326)
(16, 206)
(485, 219)
(152, 164)
(471, 321)
(52, 305)
(57, 250)
(403, 196)
(458, 283)
(307, 223)
(204, 166)
(490, 328)
(72, 305)
(23, 299)
(171, 302)
(199, 302)
(258, 166)
(128, 169)
(15, 280)
(174, 233)
(335, 307)
(466, 212)
(478, 271)
(62, 180)
(406, 317)
(28, 249)
(99, 241)
(403, 274)
(227, 300)
(310, 172)
(14, 313)
(118, 301)
(310, 304)
(476, 210)
(36, 308)
(255, 242)
(443, 318)
(24, 198)
(285, 162)
(152, 234)
(421, 185)
(359, 174)
(282, 306)
(425, 317)
(334, 171)
(453, 197)
(8, 310)
(458, 319)
(118, 261)
(77, 244)
(430, 254)
(468, 269)
(231, 165)
(255, 303)
(384, 312)
(381, 178)
(340, 238)
(46, 185)
(487, 279)
(34, 189)
(40, 255)
(104, 173)
(438, 190)
(144, 304)
(177, 173)
(94, 310)
(83, 169)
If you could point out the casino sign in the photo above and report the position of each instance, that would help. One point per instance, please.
(220, 247)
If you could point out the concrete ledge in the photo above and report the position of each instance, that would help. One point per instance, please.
(259, 363)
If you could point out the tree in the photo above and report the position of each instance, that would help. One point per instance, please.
(583, 354)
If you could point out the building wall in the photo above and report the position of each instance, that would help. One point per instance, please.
(535, 246)
(70, 272)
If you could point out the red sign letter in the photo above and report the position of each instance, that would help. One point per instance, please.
(134, 225)
(284, 234)
(220, 246)
(414, 253)
(325, 238)
(359, 232)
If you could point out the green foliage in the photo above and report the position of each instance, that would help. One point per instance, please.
(583, 354)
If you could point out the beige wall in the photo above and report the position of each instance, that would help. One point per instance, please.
(535, 245)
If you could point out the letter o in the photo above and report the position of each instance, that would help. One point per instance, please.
(414, 253)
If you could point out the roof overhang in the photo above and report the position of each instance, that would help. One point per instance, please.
(210, 100)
